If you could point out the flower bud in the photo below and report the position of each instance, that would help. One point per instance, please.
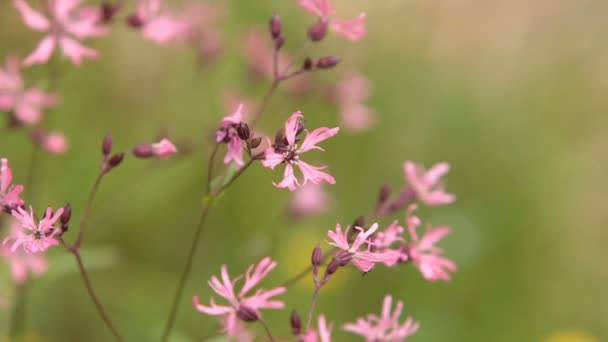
(254, 142)
(106, 145)
(343, 257)
(143, 151)
(327, 62)
(134, 21)
(296, 323)
(108, 11)
(318, 31)
(275, 26)
(279, 42)
(384, 194)
(246, 314)
(317, 256)
(243, 130)
(308, 64)
(66, 215)
(301, 126)
(116, 159)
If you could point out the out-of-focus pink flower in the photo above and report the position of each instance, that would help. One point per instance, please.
(350, 95)
(157, 23)
(201, 20)
(240, 331)
(427, 184)
(423, 252)
(321, 334)
(9, 194)
(364, 259)
(240, 305)
(229, 134)
(232, 99)
(385, 242)
(52, 142)
(309, 200)
(385, 328)
(25, 104)
(20, 263)
(353, 29)
(42, 234)
(68, 22)
(289, 153)
(164, 148)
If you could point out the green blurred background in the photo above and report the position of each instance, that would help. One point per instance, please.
(511, 93)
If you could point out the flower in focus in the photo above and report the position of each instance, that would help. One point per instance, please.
(241, 306)
(350, 94)
(287, 151)
(25, 104)
(68, 22)
(52, 142)
(9, 194)
(22, 265)
(309, 200)
(385, 328)
(42, 234)
(233, 131)
(423, 252)
(321, 334)
(157, 23)
(353, 29)
(363, 259)
(427, 184)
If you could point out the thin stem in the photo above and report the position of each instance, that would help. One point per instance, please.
(210, 167)
(313, 303)
(93, 296)
(19, 312)
(265, 100)
(267, 329)
(297, 55)
(290, 282)
(87, 209)
(234, 178)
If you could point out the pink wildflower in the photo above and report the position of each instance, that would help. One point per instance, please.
(423, 252)
(43, 234)
(232, 131)
(67, 23)
(321, 334)
(353, 29)
(157, 23)
(23, 264)
(362, 259)
(385, 328)
(385, 242)
(26, 104)
(201, 21)
(288, 152)
(164, 148)
(350, 95)
(309, 200)
(9, 194)
(427, 184)
(52, 142)
(240, 306)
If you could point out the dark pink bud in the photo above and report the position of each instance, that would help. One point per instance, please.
(301, 126)
(108, 11)
(254, 142)
(296, 323)
(317, 256)
(308, 64)
(275, 26)
(66, 215)
(343, 257)
(106, 145)
(327, 62)
(279, 42)
(246, 314)
(243, 131)
(143, 151)
(384, 194)
(318, 31)
(116, 159)
(134, 21)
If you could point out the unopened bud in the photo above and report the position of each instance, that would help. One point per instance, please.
(143, 151)
(327, 62)
(279, 42)
(134, 21)
(296, 323)
(108, 11)
(275, 26)
(308, 64)
(106, 145)
(301, 126)
(254, 142)
(116, 159)
(384, 194)
(246, 314)
(317, 256)
(343, 257)
(66, 215)
(243, 130)
(318, 31)
(279, 138)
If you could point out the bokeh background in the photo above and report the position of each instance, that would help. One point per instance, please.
(511, 93)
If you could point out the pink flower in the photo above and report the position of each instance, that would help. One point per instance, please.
(201, 22)
(309, 200)
(385, 242)
(385, 328)
(288, 152)
(353, 29)
(68, 22)
(164, 148)
(240, 305)
(9, 194)
(157, 23)
(350, 95)
(423, 252)
(52, 142)
(229, 133)
(43, 234)
(362, 259)
(427, 184)
(26, 104)
(321, 334)
(23, 264)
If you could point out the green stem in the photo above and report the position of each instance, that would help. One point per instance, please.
(267, 329)
(313, 303)
(87, 209)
